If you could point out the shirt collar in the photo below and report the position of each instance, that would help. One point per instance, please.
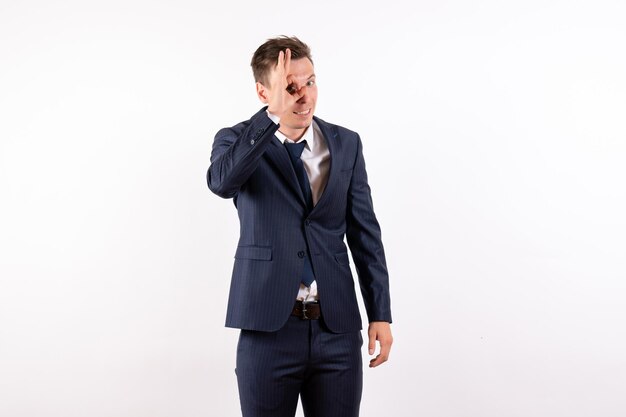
(309, 136)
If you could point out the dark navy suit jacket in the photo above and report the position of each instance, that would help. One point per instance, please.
(252, 166)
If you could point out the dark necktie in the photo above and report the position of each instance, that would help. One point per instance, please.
(295, 150)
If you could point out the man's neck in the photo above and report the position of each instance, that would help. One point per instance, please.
(293, 134)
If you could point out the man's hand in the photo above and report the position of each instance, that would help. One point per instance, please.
(381, 331)
(281, 96)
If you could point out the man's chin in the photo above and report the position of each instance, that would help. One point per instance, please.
(301, 124)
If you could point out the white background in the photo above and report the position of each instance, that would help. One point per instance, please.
(494, 137)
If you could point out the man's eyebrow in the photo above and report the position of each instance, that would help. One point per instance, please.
(311, 76)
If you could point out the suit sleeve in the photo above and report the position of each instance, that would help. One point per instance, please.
(236, 153)
(364, 239)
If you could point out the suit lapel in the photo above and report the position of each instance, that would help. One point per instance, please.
(277, 153)
(330, 135)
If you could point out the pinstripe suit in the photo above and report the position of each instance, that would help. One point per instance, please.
(277, 231)
(249, 164)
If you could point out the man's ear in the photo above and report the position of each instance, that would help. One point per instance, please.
(262, 92)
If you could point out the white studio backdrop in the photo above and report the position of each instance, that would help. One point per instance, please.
(494, 138)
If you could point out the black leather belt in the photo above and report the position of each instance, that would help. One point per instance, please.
(309, 310)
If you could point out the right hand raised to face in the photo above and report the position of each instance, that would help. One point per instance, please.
(281, 97)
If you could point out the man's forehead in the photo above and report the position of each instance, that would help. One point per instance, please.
(301, 68)
(304, 76)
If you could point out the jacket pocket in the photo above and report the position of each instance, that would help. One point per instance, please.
(342, 258)
(262, 253)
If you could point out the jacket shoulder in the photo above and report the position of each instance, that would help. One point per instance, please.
(257, 120)
(343, 133)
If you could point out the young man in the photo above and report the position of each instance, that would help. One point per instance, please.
(299, 185)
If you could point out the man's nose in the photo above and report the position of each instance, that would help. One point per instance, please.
(304, 93)
(301, 90)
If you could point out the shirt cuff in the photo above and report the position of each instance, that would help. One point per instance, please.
(275, 119)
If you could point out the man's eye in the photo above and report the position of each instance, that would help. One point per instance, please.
(291, 88)
(310, 83)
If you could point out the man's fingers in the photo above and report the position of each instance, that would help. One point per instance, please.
(280, 65)
(297, 94)
(287, 60)
(375, 362)
(372, 342)
(282, 94)
(385, 340)
(282, 68)
(381, 357)
(385, 348)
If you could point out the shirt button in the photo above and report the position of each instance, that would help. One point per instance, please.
(301, 254)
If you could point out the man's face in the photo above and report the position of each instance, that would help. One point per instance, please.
(300, 78)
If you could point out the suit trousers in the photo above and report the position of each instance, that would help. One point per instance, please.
(303, 358)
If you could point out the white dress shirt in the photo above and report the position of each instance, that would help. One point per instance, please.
(316, 160)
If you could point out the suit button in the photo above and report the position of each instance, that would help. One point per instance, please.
(251, 141)
(307, 222)
(301, 254)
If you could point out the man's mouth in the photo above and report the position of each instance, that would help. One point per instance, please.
(302, 113)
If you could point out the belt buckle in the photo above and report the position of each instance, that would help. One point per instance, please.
(304, 316)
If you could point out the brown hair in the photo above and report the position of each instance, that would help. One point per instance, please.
(266, 55)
